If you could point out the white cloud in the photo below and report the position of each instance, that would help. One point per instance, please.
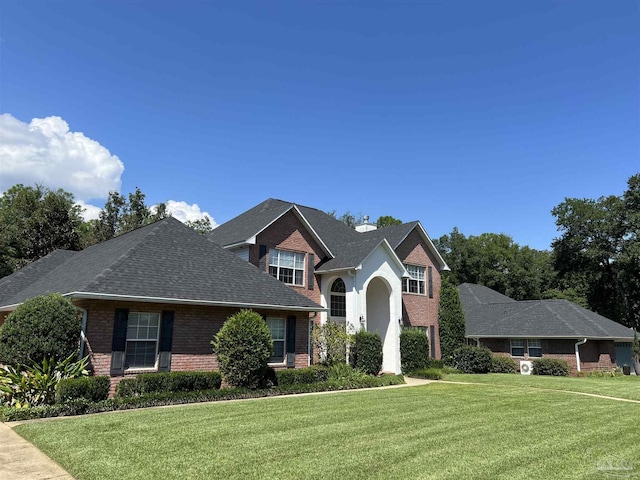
(89, 212)
(185, 212)
(45, 151)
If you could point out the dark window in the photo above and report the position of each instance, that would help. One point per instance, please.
(338, 299)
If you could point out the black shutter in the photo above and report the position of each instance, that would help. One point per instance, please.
(166, 331)
(120, 321)
(262, 258)
(430, 274)
(291, 334)
(310, 270)
(432, 340)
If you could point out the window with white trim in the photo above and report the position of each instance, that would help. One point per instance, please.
(278, 329)
(534, 347)
(415, 284)
(517, 347)
(338, 299)
(143, 330)
(287, 267)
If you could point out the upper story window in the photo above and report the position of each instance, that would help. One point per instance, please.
(415, 284)
(142, 340)
(287, 267)
(338, 299)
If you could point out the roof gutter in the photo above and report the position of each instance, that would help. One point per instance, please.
(183, 301)
(581, 342)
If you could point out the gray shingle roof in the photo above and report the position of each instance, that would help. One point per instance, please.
(491, 314)
(164, 260)
(350, 255)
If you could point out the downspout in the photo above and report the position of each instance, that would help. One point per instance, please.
(82, 330)
(581, 342)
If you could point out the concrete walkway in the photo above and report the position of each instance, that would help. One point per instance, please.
(20, 460)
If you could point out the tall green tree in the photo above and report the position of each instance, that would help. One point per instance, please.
(451, 322)
(34, 221)
(599, 248)
(387, 220)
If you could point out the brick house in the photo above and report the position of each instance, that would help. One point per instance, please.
(526, 330)
(152, 299)
(375, 279)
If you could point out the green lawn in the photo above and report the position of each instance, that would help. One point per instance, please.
(622, 387)
(435, 431)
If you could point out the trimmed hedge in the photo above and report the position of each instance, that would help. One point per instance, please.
(366, 352)
(82, 406)
(550, 366)
(145, 383)
(301, 376)
(470, 359)
(501, 364)
(93, 389)
(414, 349)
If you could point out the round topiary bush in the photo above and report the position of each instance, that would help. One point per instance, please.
(366, 352)
(550, 366)
(500, 364)
(470, 359)
(243, 346)
(414, 350)
(42, 327)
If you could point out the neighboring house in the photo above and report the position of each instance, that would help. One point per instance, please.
(152, 299)
(376, 279)
(526, 330)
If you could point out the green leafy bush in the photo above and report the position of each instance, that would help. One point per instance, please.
(414, 349)
(502, 364)
(128, 387)
(47, 326)
(331, 341)
(243, 346)
(297, 376)
(92, 389)
(451, 322)
(470, 359)
(428, 373)
(550, 366)
(145, 383)
(366, 352)
(36, 385)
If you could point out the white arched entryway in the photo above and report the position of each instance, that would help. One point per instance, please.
(379, 321)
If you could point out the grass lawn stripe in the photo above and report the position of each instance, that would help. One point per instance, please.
(436, 431)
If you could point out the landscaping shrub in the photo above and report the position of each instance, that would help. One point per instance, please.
(36, 385)
(470, 359)
(243, 346)
(331, 341)
(128, 387)
(451, 322)
(92, 389)
(297, 376)
(269, 379)
(550, 366)
(428, 373)
(414, 349)
(501, 364)
(46, 326)
(366, 352)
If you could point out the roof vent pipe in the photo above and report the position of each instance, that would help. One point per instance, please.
(581, 342)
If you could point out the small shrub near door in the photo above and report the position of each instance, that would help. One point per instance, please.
(470, 359)
(366, 352)
(92, 389)
(414, 350)
(243, 346)
(550, 366)
(297, 376)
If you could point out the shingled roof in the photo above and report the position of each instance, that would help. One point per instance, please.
(490, 314)
(164, 261)
(345, 247)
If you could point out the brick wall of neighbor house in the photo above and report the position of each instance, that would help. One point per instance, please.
(420, 310)
(289, 233)
(594, 355)
(193, 329)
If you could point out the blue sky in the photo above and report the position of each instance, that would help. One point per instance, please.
(480, 115)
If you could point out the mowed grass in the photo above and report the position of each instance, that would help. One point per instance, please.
(437, 431)
(620, 387)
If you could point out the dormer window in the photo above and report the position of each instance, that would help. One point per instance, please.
(288, 267)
